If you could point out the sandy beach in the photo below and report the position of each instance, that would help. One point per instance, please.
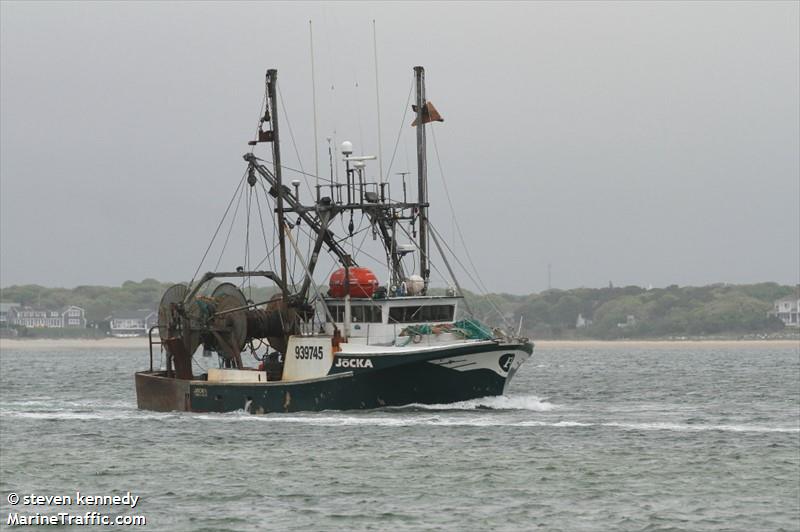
(16, 344)
(709, 344)
(41, 344)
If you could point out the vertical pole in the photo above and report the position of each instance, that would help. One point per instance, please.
(272, 80)
(347, 315)
(377, 98)
(393, 258)
(422, 178)
(347, 171)
(334, 184)
(314, 103)
(361, 185)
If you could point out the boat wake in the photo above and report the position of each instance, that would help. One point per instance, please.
(394, 418)
(500, 411)
(500, 402)
(330, 419)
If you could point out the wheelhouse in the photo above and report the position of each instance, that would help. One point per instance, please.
(381, 321)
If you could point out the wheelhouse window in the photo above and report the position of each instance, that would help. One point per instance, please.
(337, 311)
(359, 313)
(366, 314)
(423, 313)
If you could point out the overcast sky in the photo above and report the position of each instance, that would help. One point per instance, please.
(639, 143)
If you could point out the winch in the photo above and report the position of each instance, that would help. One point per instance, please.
(223, 322)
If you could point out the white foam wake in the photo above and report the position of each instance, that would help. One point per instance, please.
(499, 402)
(683, 427)
(489, 420)
(445, 417)
(71, 415)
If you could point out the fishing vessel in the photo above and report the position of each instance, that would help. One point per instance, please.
(354, 342)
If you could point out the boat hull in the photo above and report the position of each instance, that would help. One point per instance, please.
(457, 374)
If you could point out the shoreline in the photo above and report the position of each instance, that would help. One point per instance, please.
(708, 342)
(31, 344)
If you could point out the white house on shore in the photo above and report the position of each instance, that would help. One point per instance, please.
(71, 317)
(786, 310)
(7, 314)
(132, 323)
(582, 323)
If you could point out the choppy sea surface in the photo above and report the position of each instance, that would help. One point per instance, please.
(596, 437)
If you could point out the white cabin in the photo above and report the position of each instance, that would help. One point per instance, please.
(380, 321)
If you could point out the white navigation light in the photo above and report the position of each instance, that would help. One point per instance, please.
(295, 183)
(347, 147)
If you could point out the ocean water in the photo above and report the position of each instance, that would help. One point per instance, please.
(595, 437)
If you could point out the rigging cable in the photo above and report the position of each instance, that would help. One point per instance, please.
(274, 232)
(248, 201)
(487, 295)
(402, 124)
(262, 261)
(291, 135)
(261, 113)
(271, 254)
(274, 237)
(218, 228)
(263, 232)
(297, 154)
(230, 229)
(480, 286)
(326, 179)
(432, 264)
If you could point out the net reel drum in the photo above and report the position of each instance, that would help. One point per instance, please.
(223, 322)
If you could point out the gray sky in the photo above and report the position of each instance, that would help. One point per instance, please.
(650, 143)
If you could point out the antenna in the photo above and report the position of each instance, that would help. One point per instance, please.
(403, 174)
(314, 102)
(377, 97)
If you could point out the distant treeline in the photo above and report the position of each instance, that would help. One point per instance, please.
(607, 313)
(635, 312)
(99, 302)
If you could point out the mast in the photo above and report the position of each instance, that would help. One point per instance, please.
(272, 80)
(422, 177)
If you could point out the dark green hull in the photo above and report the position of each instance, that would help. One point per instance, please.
(430, 381)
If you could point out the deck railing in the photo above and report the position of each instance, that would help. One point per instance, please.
(150, 338)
